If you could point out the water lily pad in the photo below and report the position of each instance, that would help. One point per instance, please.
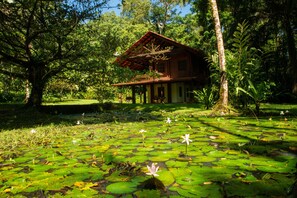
(62, 171)
(117, 177)
(19, 159)
(138, 179)
(172, 163)
(177, 172)
(138, 158)
(204, 159)
(239, 189)
(160, 158)
(166, 177)
(216, 154)
(101, 148)
(205, 190)
(192, 180)
(148, 193)
(84, 193)
(249, 178)
(121, 187)
(183, 192)
(144, 149)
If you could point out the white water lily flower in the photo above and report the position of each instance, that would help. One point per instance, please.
(168, 121)
(153, 169)
(282, 113)
(74, 141)
(212, 137)
(186, 139)
(142, 131)
(33, 131)
(287, 111)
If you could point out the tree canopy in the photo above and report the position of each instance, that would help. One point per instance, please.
(39, 39)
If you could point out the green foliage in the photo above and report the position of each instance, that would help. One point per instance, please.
(60, 89)
(258, 94)
(244, 65)
(206, 96)
(108, 36)
(7, 97)
(46, 42)
(185, 30)
(157, 13)
(58, 40)
(11, 89)
(272, 30)
(136, 10)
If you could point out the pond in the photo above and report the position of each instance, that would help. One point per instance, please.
(164, 153)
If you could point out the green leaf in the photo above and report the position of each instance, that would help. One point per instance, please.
(148, 193)
(121, 187)
(177, 172)
(166, 177)
(172, 163)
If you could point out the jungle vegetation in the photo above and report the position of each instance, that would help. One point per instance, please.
(54, 50)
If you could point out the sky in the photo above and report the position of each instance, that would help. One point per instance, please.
(113, 4)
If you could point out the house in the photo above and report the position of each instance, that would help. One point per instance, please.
(170, 70)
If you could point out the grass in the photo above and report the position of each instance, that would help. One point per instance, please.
(103, 153)
(73, 101)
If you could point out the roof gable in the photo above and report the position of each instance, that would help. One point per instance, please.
(151, 45)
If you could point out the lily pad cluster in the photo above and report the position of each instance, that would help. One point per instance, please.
(225, 157)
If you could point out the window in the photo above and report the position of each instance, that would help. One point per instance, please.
(182, 65)
(161, 68)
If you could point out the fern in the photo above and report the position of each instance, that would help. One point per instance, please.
(243, 63)
(241, 37)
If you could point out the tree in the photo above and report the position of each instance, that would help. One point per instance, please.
(286, 11)
(158, 13)
(107, 38)
(222, 104)
(136, 10)
(273, 25)
(185, 30)
(40, 39)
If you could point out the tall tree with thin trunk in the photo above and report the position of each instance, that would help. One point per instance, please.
(222, 104)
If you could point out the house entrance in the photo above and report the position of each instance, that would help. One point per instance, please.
(161, 94)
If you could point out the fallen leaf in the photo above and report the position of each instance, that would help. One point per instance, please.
(79, 184)
(7, 190)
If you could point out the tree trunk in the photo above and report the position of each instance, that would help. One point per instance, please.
(292, 53)
(222, 104)
(37, 80)
(27, 91)
(35, 98)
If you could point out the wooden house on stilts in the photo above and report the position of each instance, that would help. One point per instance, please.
(171, 71)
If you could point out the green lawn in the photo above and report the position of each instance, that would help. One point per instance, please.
(104, 154)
